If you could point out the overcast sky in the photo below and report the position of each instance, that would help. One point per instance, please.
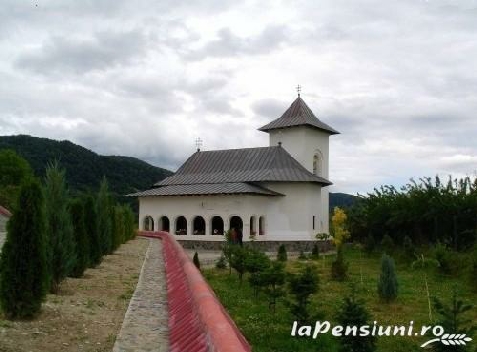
(398, 79)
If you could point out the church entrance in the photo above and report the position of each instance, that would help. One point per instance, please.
(181, 226)
(217, 226)
(148, 223)
(164, 224)
(199, 226)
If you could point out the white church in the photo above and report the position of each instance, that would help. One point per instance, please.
(275, 194)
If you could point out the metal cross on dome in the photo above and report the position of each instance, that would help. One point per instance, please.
(198, 143)
(298, 89)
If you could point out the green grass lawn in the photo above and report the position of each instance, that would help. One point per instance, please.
(268, 332)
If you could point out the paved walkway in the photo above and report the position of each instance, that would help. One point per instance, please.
(145, 325)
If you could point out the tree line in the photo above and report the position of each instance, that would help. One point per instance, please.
(428, 211)
(52, 235)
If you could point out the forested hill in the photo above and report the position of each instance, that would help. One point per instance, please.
(84, 168)
(341, 200)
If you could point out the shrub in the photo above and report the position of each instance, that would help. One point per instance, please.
(222, 262)
(302, 256)
(387, 244)
(353, 312)
(339, 268)
(387, 283)
(315, 252)
(23, 265)
(408, 248)
(61, 253)
(302, 286)
(445, 258)
(81, 238)
(282, 253)
(369, 244)
(196, 261)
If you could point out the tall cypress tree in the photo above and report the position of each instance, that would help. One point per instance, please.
(80, 236)
(61, 252)
(92, 231)
(103, 207)
(23, 266)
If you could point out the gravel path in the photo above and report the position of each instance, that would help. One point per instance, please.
(145, 326)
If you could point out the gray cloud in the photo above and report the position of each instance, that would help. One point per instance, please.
(80, 55)
(229, 44)
(145, 78)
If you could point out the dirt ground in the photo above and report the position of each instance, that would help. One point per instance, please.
(87, 314)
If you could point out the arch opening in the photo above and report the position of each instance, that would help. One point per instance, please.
(148, 223)
(217, 226)
(198, 226)
(164, 224)
(181, 226)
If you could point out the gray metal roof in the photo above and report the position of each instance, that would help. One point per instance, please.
(207, 188)
(298, 114)
(241, 165)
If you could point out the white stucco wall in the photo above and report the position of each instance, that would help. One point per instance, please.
(287, 218)
(303, 143)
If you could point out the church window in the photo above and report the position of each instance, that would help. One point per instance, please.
(317, 164)
(199, 226)
(217, 226)
(164, 224)
(148, 223)
(181, 226)
(261, 225)
(313, 222)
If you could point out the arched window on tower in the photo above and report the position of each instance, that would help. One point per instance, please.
(317, 164)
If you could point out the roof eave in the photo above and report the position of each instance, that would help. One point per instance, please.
(329, 131)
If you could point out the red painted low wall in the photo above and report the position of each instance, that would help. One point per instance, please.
(197, 320)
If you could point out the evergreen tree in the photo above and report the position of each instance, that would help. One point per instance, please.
(82, 245)
(13, 170)
(118, 229)
(196, 261)
(103, 208)
(302, 286)
(339, 268)
(387, 283)
(23, 265)
(256, 263)
(238, 260)
(61, 253)
(92, 231)
(129, 232)
(272, 280)
(453, 319)
(282, 253)
(353, 312)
